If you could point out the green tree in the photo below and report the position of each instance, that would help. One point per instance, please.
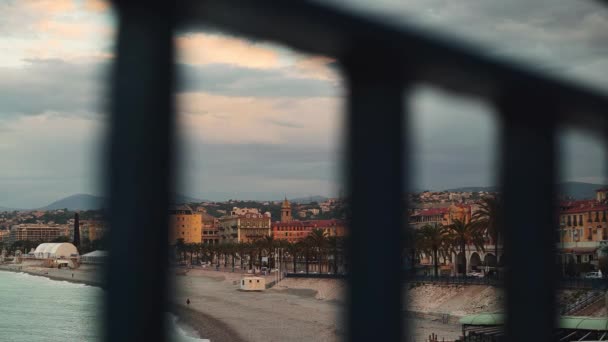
(432, 239)
(487, 217)
(460, 234)
(317, 240)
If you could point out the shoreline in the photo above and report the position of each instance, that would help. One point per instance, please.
(88, 282)
(205, 325)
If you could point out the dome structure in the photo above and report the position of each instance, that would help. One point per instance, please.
(55, 250)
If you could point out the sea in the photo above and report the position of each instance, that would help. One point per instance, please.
(34, 308)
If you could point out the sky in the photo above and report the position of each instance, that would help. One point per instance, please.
(259, 121)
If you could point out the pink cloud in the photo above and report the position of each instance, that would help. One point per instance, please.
(202, 48)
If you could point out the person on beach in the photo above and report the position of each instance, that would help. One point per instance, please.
(187, 301)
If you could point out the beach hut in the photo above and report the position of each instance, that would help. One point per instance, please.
(253, 284)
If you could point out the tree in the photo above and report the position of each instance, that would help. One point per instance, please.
(317, 239)
(432, 239)
(180, 248)
(487, 217)
(61, 238)
(461, 234)
(293, 249)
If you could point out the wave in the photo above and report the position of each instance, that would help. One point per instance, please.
(180, 332)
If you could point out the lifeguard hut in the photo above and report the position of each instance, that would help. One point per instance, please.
(253, 284)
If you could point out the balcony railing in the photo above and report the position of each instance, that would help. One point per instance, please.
(380, 62)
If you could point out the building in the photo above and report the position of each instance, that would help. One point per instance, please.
(63, 250)
(236, 211)
(582, 229)
(244, 228)
(37, 232)
(292, 230)
(286, 211)
(210, 224)
(441, 216)
(5, 234)
(184, 224)
(91, 230)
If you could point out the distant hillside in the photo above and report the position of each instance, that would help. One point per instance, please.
(304, 200)
(77, 202)
(181, 199)
(576, 190)
(92, 202)
(474, 189)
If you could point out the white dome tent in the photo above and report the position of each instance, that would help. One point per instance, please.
(63, 250)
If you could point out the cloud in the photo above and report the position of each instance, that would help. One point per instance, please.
(238, 81)
(205, 48)
(52, 85)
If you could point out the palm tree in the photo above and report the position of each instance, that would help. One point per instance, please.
(180, 248)
(333, 243)
(488, 218)
(318, 241)
(293, 249)
(462, 233)
(432, 239)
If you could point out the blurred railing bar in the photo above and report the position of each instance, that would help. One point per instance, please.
(139, 173)
(375, 185)
(528, 186)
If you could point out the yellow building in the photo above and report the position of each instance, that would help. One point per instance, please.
(583, 221)
(244, 228)
(184, 224)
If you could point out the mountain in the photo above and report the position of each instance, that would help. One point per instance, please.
(305, 200)
(576, 190)
(473, 189)
(579, 190)
(182, 199)
(77, 202)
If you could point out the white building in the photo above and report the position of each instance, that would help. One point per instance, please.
(62, 250)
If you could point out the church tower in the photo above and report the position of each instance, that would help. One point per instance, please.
(285, 211)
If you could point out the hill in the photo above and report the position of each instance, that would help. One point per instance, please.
(309, 199)
(77, 202)
(579, 190)
(576, 190)
(92, 202)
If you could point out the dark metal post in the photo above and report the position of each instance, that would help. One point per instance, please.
(139, 173)
(375, 181)
(528, 182)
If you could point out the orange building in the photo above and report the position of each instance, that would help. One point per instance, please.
(293, 230)
(442, 216)
(184, 224)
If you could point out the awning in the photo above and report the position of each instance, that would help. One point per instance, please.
(565, 322)
(578, 250)
(483, 319)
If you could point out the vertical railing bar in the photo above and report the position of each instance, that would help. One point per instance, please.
(375, 178)
(139, 173)
(528, 185)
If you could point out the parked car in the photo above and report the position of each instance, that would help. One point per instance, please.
(476, 274)
(593, 275)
